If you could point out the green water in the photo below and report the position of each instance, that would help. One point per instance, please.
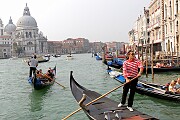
(18, 100)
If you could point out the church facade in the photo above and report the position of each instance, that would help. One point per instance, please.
(22, 39)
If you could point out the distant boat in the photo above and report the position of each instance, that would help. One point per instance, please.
(69, 57)
(13, 58)
(98, 57)
(56, 55)
(40, 59)
(48, 55)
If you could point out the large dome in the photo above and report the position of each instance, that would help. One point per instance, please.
(10, 27)
(26, 19)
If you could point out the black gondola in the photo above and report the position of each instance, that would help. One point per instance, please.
(103, 108)
(161, 69)
(150, 89)
(40, 83)
(41, 61)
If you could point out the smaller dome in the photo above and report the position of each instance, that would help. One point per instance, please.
(10, 27)
(0, 21)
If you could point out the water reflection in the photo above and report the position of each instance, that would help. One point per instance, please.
(37, 99)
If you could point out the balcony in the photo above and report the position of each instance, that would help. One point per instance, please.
(157, 25)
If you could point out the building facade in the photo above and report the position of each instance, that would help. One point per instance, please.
(24, 38)
(161, 28)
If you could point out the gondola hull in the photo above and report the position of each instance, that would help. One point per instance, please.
(41, 83)
(153, 90)
(41, 61)
(104, 107)
(37, 83)
(162, 69)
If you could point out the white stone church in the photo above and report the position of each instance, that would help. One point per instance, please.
(22, 39)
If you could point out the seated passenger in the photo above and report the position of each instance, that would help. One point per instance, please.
(158, 65)
(172, 86)
(177, 86)
(48, 75)
(39, 74)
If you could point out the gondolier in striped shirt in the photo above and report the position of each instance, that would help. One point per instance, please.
(130, 71)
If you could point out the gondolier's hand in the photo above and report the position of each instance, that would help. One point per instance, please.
(139, 74)
(127, 80)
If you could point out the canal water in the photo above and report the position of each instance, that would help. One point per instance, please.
(19, 101)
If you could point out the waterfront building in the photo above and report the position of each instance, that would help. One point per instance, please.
(157, 27)
(69, 46)
(177, 25)
(116, 47)
(78, 45)
(55, 47)
(6, 39)
(96, 47)
(28, 38)
(22, 39)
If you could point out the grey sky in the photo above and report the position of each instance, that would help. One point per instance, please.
(96, 20)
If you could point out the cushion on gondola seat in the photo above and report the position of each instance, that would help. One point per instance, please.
(120, 77)
(140, 85)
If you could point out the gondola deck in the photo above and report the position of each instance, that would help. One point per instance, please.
(103, 107)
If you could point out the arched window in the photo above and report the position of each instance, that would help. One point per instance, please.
(177, 6)
(170, 7)
(27, 35)
(165, 12)
(30, 35)
(171, 27)
(29, 43)
(177, 26)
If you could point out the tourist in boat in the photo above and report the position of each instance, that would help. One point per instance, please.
(158, 65)
(171, 87)
(33, 63)
(49, 74)
(177, 86)
(39, 74)
(130, 71)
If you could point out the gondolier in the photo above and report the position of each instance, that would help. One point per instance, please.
(130, 71)
(33, 63)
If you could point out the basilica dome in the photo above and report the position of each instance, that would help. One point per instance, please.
(26, 20)
(10, 27)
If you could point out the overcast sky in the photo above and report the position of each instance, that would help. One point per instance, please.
(96, 20)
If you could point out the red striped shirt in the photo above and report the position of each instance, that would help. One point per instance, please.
(130, 67)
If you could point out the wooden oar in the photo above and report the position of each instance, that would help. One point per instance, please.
(54, 80)
(97, 99)
(152, 87)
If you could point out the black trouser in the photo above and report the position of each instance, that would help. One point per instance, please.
(32, 70)
(132, 86)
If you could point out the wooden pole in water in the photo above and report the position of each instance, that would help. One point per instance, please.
(142, 55)
(177, 54)
(152, 57)
(147, 42)
(146, 61)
